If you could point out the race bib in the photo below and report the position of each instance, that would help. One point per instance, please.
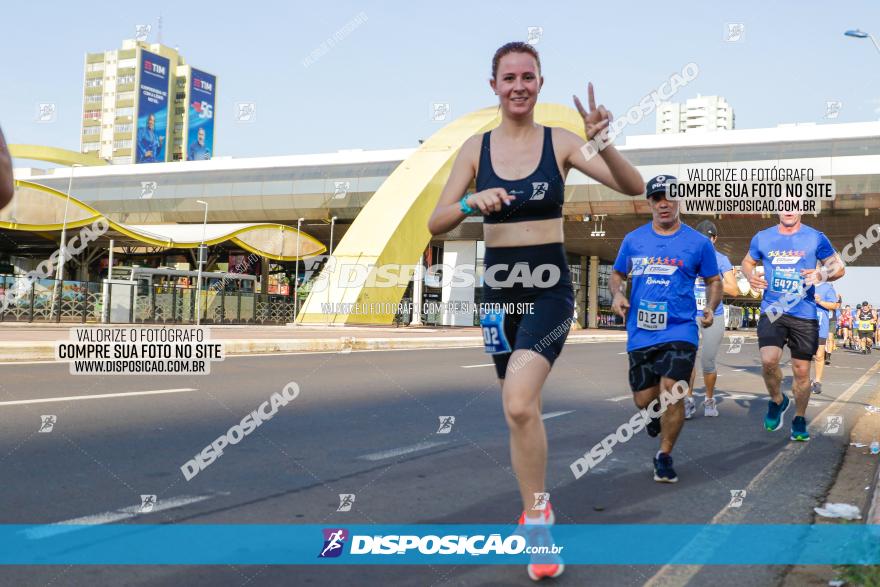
(494, 340)
(651, 315)
(865, 325)
(700, 294)
(786, 282)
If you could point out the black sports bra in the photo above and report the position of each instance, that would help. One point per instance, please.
(538, 197)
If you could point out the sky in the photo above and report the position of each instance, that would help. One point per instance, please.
(375, 88)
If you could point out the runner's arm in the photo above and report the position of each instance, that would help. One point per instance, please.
(713, 292)
(447, 215)
(832, 267)
(728, 284)
(7, 185)
(609, 168)
(617, 284)
(748, 265)
(829, 305)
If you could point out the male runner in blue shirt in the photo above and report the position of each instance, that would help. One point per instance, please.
(664, 258)
(826, 303)
(790, 253)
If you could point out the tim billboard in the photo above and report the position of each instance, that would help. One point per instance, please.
(152, 113)
(200, 116)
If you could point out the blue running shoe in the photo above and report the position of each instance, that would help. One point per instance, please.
(773, 419)
(799, 429)
(663, 471)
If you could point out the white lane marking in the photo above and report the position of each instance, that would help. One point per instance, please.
(619, 398)
(549, 415)
(673, 574)
(480, 365)
(396, 452)
(737, 369)
(109, 517)
(72, 398)
(737, 396)
(623, 353)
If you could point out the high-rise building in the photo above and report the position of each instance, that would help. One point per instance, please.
(143, 104)
(703, 113)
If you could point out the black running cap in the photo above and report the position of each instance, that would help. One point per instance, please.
(658, 185)
(706, 228)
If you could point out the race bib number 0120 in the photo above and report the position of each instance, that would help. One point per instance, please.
(651, 315)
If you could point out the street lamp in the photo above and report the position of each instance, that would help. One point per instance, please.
(296, 274)
(63, 250)
(857, 34)
(199, 274)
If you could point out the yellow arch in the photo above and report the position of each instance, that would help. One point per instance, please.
(392, 227)
(54, 155)
(81, 214)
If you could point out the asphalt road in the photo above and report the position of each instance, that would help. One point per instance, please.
(366, 423)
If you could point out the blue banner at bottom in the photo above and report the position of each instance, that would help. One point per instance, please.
(588, 544)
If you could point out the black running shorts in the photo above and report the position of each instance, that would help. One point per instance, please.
(801, 335)
(674, 360)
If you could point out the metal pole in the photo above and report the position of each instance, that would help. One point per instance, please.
(199, 260)
(105, 302)
(329, 256)
(296, 274)
(63, 250)
(418, 281)
(110, 262)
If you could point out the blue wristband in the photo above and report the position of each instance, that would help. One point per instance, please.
(463, 205)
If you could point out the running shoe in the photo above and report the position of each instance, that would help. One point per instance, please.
(663, 471)
(544, 565)
(690, 407)
(538, 571)
(549, 566)
(547, 516)
(799, 429)
(709, 408)
(773, 419)
(827, 358)
(816, 387)
(653, 427)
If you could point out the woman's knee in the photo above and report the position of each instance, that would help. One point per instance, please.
(520, 411)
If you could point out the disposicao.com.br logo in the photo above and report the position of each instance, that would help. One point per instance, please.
(432, 544)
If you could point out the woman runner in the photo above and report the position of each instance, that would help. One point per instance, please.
(520, 169)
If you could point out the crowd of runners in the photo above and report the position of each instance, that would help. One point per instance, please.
(675, 275)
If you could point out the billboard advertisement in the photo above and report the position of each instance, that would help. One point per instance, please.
(200, 116)
(152, 113)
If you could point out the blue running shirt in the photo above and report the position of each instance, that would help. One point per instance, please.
(662, 270)
(784, 256)
(826, 293)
